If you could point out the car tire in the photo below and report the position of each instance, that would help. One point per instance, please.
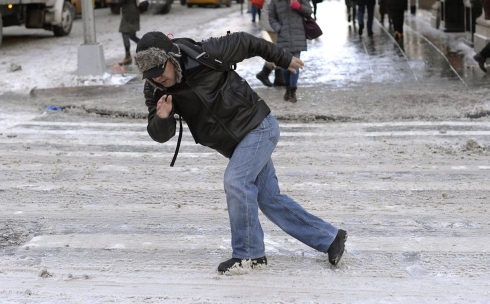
(189, 5)
(115, 9)
(165, 9)
(183, 2)
(67, 16)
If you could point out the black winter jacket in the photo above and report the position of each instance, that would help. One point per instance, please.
(366, 2)
(398, 4)
(220, 108)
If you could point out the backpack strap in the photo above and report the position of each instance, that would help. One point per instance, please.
(196, 53)
(178, 143)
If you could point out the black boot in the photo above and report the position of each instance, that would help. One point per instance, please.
(481, 61)
(288, 93)
(237, 263)
(263, 76)
(336, 250)
(278, 78)
(361, 27)
(292, 95)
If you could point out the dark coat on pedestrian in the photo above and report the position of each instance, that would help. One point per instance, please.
(219, 108)
(288, 24)
(383, 7)
(398, 4)
(130, 17)
(366, 2)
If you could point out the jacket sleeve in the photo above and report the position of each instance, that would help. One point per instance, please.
(239, 46)
(159, 129)
(305, 9)
(273, 18)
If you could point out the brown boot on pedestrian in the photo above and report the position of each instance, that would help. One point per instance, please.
(127, 60)
(292, 95)
(288, 93)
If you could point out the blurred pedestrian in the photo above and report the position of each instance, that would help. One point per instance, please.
(268, 67)
(476, 11)
(351, 10)
(363, 6)
(397, 10)
(286, 18)
(224, 113)
(255, 12)
(130, 24)
(315, 3)
(384, 11)
(482, 56)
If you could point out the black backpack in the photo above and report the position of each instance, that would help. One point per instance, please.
(192, 49)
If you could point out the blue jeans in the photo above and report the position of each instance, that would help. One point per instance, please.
(289, 78)
(250, 183)
(255, 11)
(370, 13)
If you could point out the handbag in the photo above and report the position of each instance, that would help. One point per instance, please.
(312, 30)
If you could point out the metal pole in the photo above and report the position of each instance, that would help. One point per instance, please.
(88, 22)
(91, 59)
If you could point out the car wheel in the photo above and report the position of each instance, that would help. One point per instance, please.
(165, 9)
(101, 4)
(67, 16)
(189, 5)
(183, 2)
(115, 9)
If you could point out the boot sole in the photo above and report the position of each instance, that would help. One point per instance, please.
(338, 257)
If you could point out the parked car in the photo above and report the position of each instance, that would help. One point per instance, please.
(78, 5)
(160, 6)
(216, 3)
(156, 6)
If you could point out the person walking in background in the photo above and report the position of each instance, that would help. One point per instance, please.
(351, 10)
(383, 10)
(482, 56)
(362, 6)
(255, 12)
(263, 75)
(476, 11)
(315, 3)
(397, 10)
(130, 24)
(286, 19)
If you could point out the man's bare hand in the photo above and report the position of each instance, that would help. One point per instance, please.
(295, 63)
(164, 106)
